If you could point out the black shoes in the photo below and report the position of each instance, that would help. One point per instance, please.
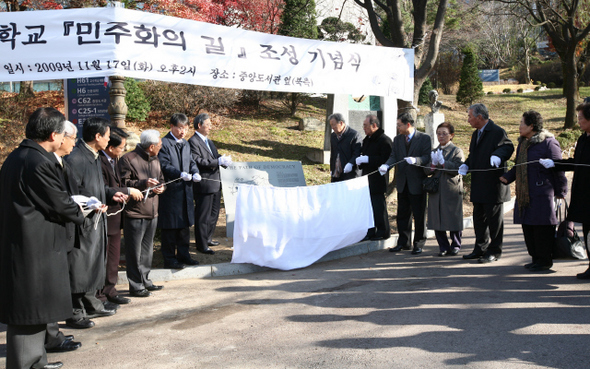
(213, 243)
(416, 251)
(454, 252)
(539, 268)
(140, 293)
(473, 255)
(153, 287)
(118, 300)
(206, 251)
(174, 265)
(100, 313)
(488, 258)
(585, 275)
(530, 265)
(82, 323)
(400, 248)
(190, 262)
(65, 346)
(56, 365)
(110, 305)
(443, 253)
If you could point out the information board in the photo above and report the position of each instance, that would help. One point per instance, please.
(85, 98)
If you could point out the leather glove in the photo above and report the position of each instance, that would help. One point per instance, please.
(362, 159)
(185, 176)
(383, 169)
(547, 163)
(440, 157)
(347, 168)
(93, 203)
(433, 158)
(410, 160)
(196, 177)
(463, 169)
(495, 161)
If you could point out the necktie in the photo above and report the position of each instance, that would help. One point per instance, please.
(407, 141)
(207, 143)
(478, 135)
(112, 161)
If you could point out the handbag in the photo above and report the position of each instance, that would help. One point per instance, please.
(568, 244)
(430, 184)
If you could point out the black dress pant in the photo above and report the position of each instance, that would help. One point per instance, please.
(175, 244)
(488, 224)
(382, 227)
(53, 336)
(24, 346)
(112, 265)
(409, 206)
(207, 207)
(539, 240)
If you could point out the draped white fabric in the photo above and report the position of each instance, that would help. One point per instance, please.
(293, 227)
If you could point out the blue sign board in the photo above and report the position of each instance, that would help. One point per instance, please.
(489, 75)
(86, 98)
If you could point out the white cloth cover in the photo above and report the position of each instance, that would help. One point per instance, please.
(293, 227)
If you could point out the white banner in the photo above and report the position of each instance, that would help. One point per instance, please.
(97, 42)
(293, 227)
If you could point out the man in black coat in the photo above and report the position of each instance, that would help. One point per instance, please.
(345, 147)
(207, 193)
(580, 196)
(34, 210)
(375, 152)
(176, 212)
(410, 149)
(489, 150)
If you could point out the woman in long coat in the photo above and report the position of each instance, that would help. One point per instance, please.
(535, 188)
(445, 207)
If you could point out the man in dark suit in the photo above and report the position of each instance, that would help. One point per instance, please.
(345, 147)
(410, 149)
(176, 212)
(34, 210)
(375, 151)
(109, 159)
(207, 193)
(489, 150)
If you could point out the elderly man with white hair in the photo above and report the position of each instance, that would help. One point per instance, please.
(141, 169)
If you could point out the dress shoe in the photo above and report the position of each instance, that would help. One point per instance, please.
(118, 300)
(82, 323)
(530, 265)
(174, 265)
(488, 259)
(64, 346)
(539, 268)
(213, 243)
(69, 337)
(585, 275)
(379, 236)
(473, 255)
(100, 313)
(399, 248)
(189, 262)
(56, 365)
(206, 251)
(110, 305)
(153, 287)
(443, 253)
(454, 252)
(140, 293)
(417, 250)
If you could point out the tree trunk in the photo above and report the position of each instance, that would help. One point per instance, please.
(26, 90)
(570, 87)
(527, 65)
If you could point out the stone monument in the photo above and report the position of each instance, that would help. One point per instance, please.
(434, 118)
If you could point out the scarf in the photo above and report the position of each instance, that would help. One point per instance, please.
(522, 179)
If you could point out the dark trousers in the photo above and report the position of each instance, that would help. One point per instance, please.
(539, 240)
(207, 207)
(112, 272)
(175, 243)
(139, 251)
(409, 206)
(53, 336)
(488, 223)
(24, 346)
(382, 227)
(84, 302)
(585, 230)
(443, 241)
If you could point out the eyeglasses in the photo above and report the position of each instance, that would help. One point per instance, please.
(70, 137)
(442, 134)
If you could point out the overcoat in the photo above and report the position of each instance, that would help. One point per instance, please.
(580, 196)
(406, 175)
(349, 148)
(445, 207)
(176, 203)
(378, 148)
(208, 164)
(87, 260)
(543, 183)
(34, 208)
(485, 185)
(112, 179)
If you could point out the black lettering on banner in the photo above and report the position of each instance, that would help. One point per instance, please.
(12, 69)
(243, 76)
(146, 35)
(35, 37)
(118, 30)
(266, 53)
(242, 54)
(212, 48)
(277, 80)
(171, 35)
(337, 59)
(260, 78)
(292, 54)
(315, 55)
(287, 81)
(8, 33)
(355, 61)
(82, 29)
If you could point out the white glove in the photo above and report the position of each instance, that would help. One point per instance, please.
(225, 160)
(410, 160)
(383, 169)
(547, 163)
(196, 177)
(495, 161)
(440, 157)
(463, 169)
(347, 168)
(185, 176)
(362, 159)
(433, 158)
(93, 203)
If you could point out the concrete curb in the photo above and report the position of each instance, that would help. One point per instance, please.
(229, 269)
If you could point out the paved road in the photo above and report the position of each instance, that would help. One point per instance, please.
(380, 310)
